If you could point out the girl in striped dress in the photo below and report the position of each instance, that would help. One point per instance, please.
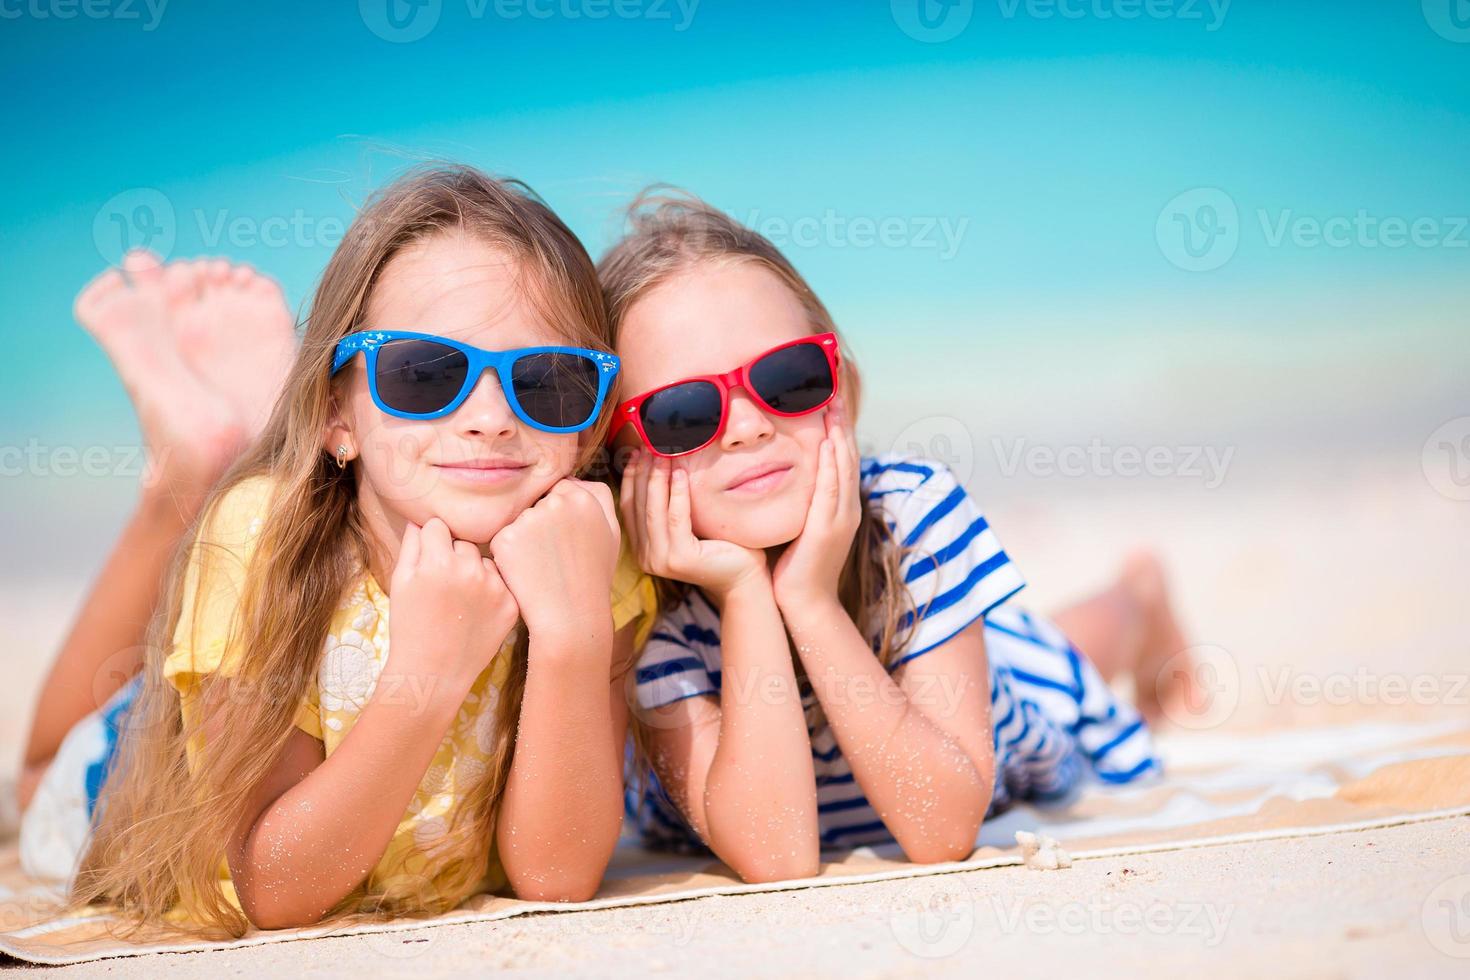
(836, 661)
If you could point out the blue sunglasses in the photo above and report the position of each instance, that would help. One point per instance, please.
(421, 376)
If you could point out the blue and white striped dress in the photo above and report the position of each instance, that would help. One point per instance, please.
(1055, 720)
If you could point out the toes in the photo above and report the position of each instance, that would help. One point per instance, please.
(268, 287)
(194, 270)
(142, 266)
(178, 281)
(241, 275)
(95, 294)
(216, 271)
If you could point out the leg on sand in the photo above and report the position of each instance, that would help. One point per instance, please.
(1129, 629)
(202, 349)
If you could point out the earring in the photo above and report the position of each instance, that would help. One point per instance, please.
(341, 457)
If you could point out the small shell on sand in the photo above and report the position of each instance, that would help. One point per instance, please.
(1042, 853)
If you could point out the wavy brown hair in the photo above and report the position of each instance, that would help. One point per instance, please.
(670, 231)
(164, 820)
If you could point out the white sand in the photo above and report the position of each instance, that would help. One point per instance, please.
(1344, 905)
(1340, 596)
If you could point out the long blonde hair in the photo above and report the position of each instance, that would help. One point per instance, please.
(164, 821)
(670, 232)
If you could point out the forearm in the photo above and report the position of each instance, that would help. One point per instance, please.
(320, 839)
(104, 647)
(562, 810)
(760, 798)
(930, 789)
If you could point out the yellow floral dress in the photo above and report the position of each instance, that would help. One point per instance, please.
(356, 649)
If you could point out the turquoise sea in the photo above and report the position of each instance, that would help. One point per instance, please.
(1238, 225)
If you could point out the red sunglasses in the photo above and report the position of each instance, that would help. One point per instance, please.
(795, 378)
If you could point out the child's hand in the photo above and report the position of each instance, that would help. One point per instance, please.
(655, 503)
(558, 558)
(810, 567)
(451, 609)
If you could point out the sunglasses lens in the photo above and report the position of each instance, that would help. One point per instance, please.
(794, 379)
(556, 389)
(682, 418)
(419, 376)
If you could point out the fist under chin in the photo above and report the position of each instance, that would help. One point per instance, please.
(475, 524)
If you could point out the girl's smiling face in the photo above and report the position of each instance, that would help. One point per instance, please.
(708, 319)
(480, 466)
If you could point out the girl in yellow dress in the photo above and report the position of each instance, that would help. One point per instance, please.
(290, 751)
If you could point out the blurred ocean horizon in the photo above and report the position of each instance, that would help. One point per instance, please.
(1058, 236)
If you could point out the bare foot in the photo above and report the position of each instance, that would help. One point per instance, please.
(1163, 672)
(235, 333)
(192, 435)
